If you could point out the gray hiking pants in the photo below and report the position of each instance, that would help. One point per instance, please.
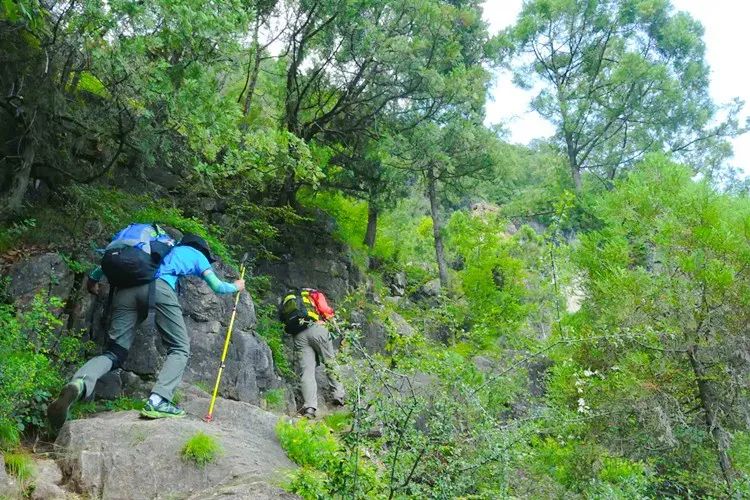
(128, 310)
(313, 346)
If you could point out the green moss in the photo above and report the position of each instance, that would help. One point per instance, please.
(339, 421)
(203, 386)
(272, 331)
(275, 398)
(178, 397)
(201, 449)
(83, 408)
(91, 84)
(112, 209)
(19, 465)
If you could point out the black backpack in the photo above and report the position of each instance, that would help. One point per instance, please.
(297, 311)
(134, 255)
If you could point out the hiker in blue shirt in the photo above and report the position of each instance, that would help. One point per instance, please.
(191, 257)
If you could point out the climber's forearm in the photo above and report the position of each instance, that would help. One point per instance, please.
(96, 274)
(218, 286)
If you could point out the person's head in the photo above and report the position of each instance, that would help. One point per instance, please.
(195, 241)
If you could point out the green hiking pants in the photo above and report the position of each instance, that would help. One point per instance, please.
(129, 310)
(312, 345)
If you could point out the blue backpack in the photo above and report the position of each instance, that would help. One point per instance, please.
(134, 255)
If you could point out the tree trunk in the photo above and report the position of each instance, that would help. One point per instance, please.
(713, 423)
(288, 195)
(252, 78)
(20, 180)
(575, 169)
(437, 228)
(372, 225)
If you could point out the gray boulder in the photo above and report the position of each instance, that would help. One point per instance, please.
(47, 272)
(256, 490)
(47, 480)
(429, 290)
(373, 332)
(397, 283)
(120, 456)
(400, 325)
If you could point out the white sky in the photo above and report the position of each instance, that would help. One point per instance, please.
(725, 24)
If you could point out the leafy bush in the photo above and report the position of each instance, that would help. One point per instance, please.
(308, 443)
(328, 468)
(309, 483)
(34, 352)
(201, 449)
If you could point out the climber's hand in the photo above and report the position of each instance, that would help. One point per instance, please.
(240, 284)
(92, 286)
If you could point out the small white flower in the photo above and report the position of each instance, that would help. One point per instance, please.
(582, 406)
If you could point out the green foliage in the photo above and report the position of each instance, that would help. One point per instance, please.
(201, 449)
(309, 483)
(177, 396)
(212, 134)
(350, 216)
(633, 61)
(34, 353)
(272, 330)
(338, 421)
(10, 236)
(326, 467)
(20, 465)
(275, 398)
(106, 211)
(10, 436)
(308, 443)
(669, 256)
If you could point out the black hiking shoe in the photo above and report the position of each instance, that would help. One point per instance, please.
(308, 413)
(59, 410)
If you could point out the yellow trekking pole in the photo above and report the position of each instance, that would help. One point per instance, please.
(210, 414)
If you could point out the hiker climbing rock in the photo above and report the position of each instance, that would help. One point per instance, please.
(143, 266)
(304, 313)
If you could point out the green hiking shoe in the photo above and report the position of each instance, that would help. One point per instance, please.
(59, 410)
(165, 409)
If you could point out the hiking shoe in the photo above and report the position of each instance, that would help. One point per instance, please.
(308, 413)
(165, 409)
(338, 402)
(59, 410)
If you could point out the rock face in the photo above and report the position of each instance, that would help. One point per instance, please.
(120, 456)
(47, 480)
(374, 334)
(397, 283)
(309, 257)
(47, 272)
(249, 367)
